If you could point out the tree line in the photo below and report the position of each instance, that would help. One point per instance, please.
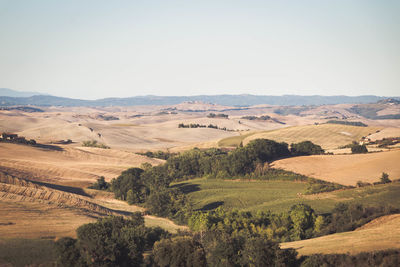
(118, 241)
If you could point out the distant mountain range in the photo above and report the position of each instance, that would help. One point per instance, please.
(14, 93)
(7, 99)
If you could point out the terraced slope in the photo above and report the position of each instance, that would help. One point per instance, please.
(30, 210)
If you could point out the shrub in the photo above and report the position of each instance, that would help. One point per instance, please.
(94, 143)
(358, 149)
(306, 148)
(385, 178)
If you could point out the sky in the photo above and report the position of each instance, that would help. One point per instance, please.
(95, 49)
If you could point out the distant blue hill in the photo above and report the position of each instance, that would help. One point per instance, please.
(14, 93)
(228, 100)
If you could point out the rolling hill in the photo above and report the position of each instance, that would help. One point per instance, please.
(345, 169)
(380, 234)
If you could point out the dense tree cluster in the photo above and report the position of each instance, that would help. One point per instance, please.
(222, 239)
(298, 223)
(111, 241)
(252, 118)
(347, 217)
(351, 123)
(196, 125)
(158, 154)
(306, 148)
(100, 184)
(358, 149)
(385, 258)
(150, 186)
(220, 115)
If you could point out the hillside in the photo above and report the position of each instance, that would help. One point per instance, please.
(329, 136)
(380, 234)
(30, 210)
(228, 100)
(280, 195)
(345, 169)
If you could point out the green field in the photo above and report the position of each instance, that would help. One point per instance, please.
(279, 196)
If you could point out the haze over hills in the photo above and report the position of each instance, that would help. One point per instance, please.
(10, 97)
(14, 93)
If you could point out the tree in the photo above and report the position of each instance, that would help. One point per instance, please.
(180, 252)
(112, 241)
(358, 149)
(385, 178)
(303, 218)
(259, 251)
(130, 180)
(306, 148)
(68, 252)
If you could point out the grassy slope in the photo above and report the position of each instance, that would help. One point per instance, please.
(326, 135)
(278, 196)
(382, 233)
(27, 252)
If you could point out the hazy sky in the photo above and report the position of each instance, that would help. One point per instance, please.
(95, 49)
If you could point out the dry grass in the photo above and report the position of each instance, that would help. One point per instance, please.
(345, 169)
(72, 166)
(380, 234)
(328, 136)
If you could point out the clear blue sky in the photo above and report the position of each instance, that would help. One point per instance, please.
(95, 49)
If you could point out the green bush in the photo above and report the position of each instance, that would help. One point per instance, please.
(94, 143)
(358, 149)
(306, 148)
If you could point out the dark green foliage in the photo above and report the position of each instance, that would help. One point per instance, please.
(223, 249)
(94, 143)
(196, 125)
(385, 178)
(101, 184)
(130, 181)
(151, 186)
(303, 218)
(318, 186)
(68, 252)
(112, 241)
(252, 118)
(213, 115)
(259, 251)
(306, 148)
(169, 203)
(347, 217)
(297, 224)
(358, 149)
(158, 154)
(385, 258)
(352, 123)
(180, 251)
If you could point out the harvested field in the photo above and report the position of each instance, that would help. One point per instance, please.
(29, 210)
(380, 234)
(328, 136)
(345, 169)
(79, 166)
